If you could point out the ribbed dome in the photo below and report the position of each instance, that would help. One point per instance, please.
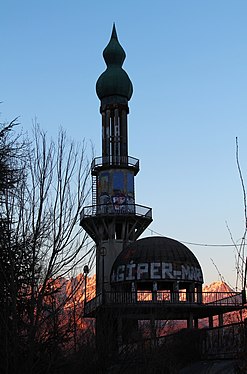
(160, 258)
(114, 81)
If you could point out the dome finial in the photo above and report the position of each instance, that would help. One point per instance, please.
(114, 53)
(114, 81)
(114, 32)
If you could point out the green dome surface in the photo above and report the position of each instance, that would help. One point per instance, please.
(114, 81)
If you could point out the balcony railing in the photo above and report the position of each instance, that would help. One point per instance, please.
(232, 299)
(107, 161)
(124, 209)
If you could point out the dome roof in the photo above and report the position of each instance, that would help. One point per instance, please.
(114, 81)
(158, 258)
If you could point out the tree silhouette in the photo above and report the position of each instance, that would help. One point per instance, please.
(41, 242)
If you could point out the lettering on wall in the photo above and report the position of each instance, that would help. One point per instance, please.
(156, 271)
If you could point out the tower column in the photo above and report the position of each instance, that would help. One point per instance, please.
(116, 138)
(104, 136)
(106, 151)
(124, 134)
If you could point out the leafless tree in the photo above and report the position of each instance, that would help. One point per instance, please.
(240, 251)
(13, 155)
(43, 238)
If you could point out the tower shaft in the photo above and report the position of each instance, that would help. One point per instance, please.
(114, 134)
(114, 219)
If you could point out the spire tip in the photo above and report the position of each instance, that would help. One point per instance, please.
(114, 31)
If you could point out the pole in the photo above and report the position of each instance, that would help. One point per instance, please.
(103, 253)
(86, 271)
(245, 273)
(244, 287)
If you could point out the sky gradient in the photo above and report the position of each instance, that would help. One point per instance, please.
(188, 64)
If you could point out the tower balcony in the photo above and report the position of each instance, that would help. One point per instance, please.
(111, 209)
(177, 305)
(107, 162)
(127, 221)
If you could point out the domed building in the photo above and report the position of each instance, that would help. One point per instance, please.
(162, 267)
(152, 278)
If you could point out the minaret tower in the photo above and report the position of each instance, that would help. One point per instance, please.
(114, 219)
(153, 278)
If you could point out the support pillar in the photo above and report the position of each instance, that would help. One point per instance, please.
(210, 322)
(175, 292)
(154, 291)
(221, 320)
(196, 323)
(190, 322)
(199, 293)
(190, 293)
(133, 293)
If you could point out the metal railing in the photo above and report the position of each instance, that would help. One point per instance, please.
(223, 341)
(128, 161)
(223, 298)
(165, 297)
(108, 209)
(220, 342)
(93, 304)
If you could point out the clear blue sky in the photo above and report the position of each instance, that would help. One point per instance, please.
(188, 64)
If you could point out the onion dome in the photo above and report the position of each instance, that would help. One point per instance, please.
(114, 81)
(156, 258)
